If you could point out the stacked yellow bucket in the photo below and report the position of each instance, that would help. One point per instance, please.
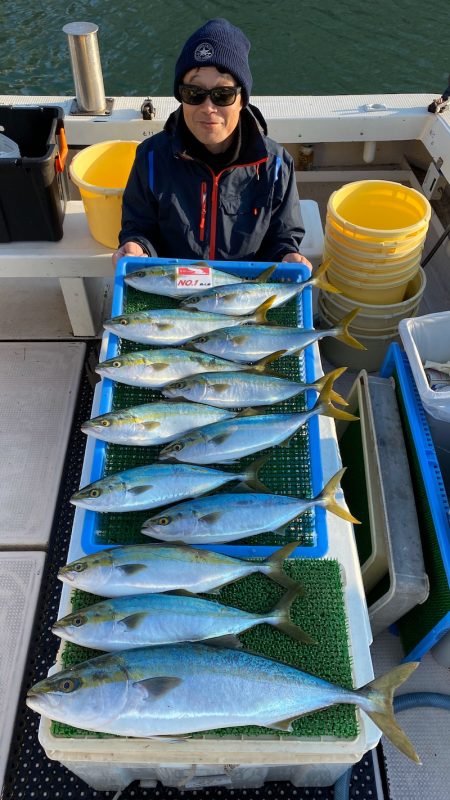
(374, 237)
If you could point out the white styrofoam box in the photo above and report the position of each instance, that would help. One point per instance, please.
(427, 338)
(312, 244)
(39, 384)
(20, 581)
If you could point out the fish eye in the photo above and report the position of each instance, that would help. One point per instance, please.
(179, 385)
(177, 447)
(79, 567)
(68, 685)
(163, 521)
(117, 363)
(201, 339)
(106, 423)
(123, 321)
(78, 621)
(140, 274)
(95, 493)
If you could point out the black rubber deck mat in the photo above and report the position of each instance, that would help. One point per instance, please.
(30, 775)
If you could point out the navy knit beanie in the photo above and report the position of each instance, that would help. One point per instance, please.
(219, 44)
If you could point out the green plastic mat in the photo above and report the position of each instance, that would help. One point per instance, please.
(418, 622)
(321, 613)
(287, 471)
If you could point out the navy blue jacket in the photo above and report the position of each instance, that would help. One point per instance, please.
(175, 205)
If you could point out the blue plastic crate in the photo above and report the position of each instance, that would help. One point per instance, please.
(284, 272)
(396, 361)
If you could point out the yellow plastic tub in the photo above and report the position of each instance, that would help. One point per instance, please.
(359, 268)
(374, 210)
(101, 173)
(372, 277)
(369, 260)
(384, 247)
(385, 293)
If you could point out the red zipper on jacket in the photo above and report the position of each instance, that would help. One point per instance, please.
(214, 201)
(203, 196)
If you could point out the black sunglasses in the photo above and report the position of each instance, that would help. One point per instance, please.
(220, 95)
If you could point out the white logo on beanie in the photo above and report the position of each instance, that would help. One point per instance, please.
(204, 52)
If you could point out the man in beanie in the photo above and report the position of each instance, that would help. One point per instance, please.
(212, 185)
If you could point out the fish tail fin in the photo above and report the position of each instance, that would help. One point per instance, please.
(327, 498)
(273, 567)
(324, 405)
(267, 273)
(260, 366)
(380, 693)
(251, 475)
(282, 620)
(319, 384)
(342, 334)
(259, 315)
(319, 280)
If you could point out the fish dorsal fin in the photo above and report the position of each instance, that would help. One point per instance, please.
(267, 273)
(133, 620)
(157, 687)
(130, 569)
(137, 490)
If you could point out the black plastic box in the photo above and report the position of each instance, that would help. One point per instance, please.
(33, 188)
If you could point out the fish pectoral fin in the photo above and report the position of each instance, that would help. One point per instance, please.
(229, 641)
(133, 620)
(151, 425)
(220, 388)
(157, 687)
(241, 339)
(282, 725)
(213, 516)
(136, 490)
(130, 569)
(159, 366)
(220, 438)
(164, 326)
(231, 297)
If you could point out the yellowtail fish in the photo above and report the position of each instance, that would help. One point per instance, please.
(152, 423)
(163, 279)
(155, 485)
(250, 343)
(229, 517)
(238, 299)
(153, 619)
(178, 689)
(241, 389)
(147, 568)
(225, 442)
(153, 369)
(173, 326)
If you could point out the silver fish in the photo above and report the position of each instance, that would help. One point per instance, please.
(151, 423)
(173, 690)
(153, 369)
(154, 619)
(246, 344)
(224, 442)
(229, 517)
(241, 389)
(162, 279)
(156, 485)
(147, 568)
(173, 326)
(237, 299)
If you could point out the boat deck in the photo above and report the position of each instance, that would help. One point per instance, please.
(36, 330)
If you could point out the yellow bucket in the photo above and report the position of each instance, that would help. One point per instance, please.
(376, 210)
(101, 173)
(385, 293)
(366, 268)
(377, 250)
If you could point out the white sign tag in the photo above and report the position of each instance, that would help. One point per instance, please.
(193, 278)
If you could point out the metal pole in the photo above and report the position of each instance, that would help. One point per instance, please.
(86, 66)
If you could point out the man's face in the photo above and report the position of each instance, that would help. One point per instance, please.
(212, 125)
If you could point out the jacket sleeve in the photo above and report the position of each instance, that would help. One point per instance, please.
(286, 230)
(139, 207)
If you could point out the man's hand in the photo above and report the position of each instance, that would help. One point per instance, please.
(127, 249)
(296, 258)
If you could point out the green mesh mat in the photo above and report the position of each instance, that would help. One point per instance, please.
(354, 486)
(415, 625)
(287, 471)
(321, 613)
